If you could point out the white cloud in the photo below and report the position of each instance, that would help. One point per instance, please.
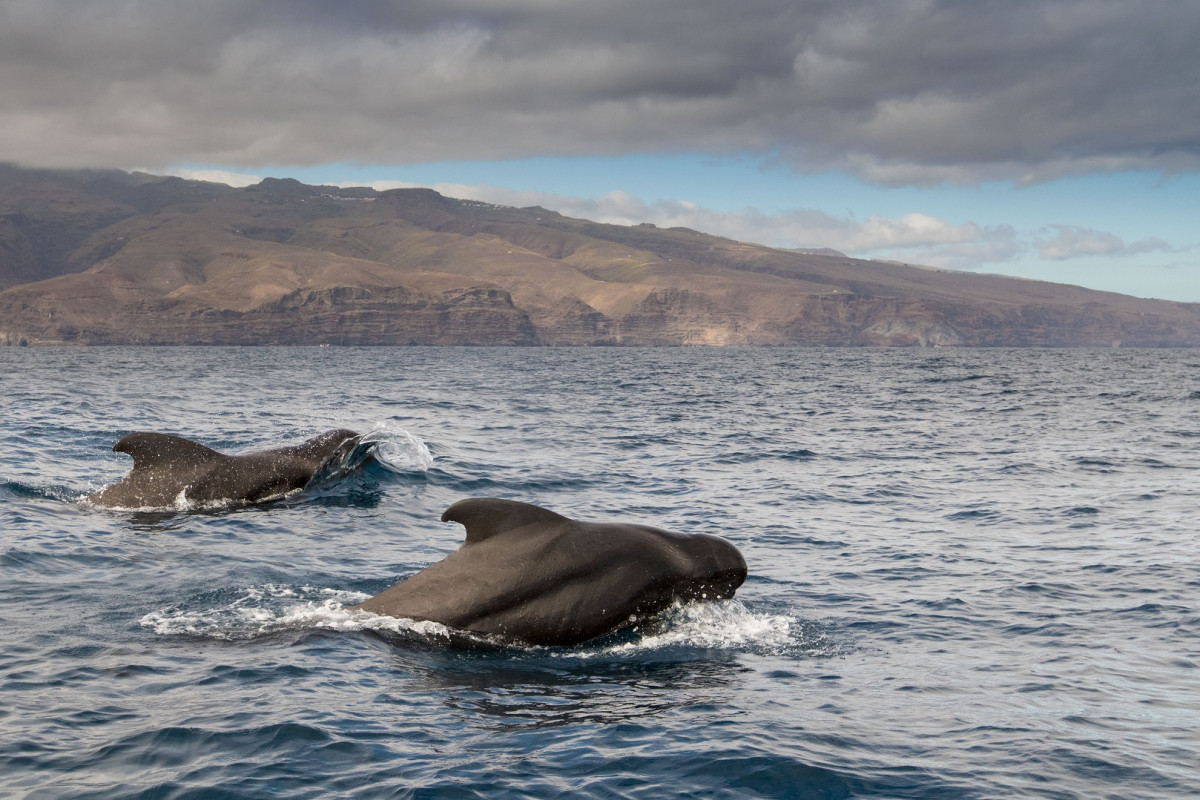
(914, 238)
(1070, 241)
(235, 179)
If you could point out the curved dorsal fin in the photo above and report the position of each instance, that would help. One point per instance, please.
(485, 517)
(153, 449)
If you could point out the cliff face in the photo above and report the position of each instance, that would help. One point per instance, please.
(112, 258)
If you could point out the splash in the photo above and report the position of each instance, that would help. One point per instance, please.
(396, 449)
(724, 625)
(181, 504)
(272, 609)
(388, 445)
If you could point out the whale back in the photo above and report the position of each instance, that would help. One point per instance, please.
(169, 470)
(527, 574)
(163, 466)
(153, 450)
(485, 517)
(321, 447)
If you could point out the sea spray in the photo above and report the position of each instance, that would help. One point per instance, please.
(396, 449)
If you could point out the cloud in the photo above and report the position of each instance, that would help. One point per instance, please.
(913, 238)
(1070, 241)
(896, 91)
(235, 179)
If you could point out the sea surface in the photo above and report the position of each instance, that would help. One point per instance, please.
(973, 574)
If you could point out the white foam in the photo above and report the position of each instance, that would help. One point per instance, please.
(725, 625)
(271, 608)
(181, 504)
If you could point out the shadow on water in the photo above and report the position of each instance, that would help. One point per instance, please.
(363, 490)
(503, 691)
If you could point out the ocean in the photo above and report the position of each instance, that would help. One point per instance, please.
(972, 574)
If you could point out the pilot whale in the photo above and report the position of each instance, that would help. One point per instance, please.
(530, 575)
(169, 469)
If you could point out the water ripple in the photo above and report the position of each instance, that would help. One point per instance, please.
(971, 576)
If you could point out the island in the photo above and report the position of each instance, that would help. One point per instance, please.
(103, 257)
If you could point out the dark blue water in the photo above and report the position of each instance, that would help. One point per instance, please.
(972, 574)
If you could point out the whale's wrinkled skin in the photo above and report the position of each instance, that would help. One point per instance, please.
(529, 575)
(169, 471)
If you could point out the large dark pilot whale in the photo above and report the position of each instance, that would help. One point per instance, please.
(528, 574)
(169, 470)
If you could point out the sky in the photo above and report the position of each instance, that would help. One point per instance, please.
(1048, 139)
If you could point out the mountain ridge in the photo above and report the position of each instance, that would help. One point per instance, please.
(108, 257)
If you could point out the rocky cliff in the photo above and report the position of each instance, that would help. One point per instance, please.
(116, 258)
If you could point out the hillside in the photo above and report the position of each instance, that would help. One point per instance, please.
(95, 257)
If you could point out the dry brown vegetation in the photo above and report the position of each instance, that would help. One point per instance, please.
(113, 258)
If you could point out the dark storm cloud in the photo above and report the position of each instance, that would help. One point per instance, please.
(896, 90)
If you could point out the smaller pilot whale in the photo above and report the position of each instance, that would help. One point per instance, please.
(168, 470)
(528, 574)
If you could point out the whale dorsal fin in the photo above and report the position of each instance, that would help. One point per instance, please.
(485, 517)
(155, 449)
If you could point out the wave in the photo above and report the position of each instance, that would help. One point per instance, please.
(386, 444)
(27, 491)
(273, 609)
